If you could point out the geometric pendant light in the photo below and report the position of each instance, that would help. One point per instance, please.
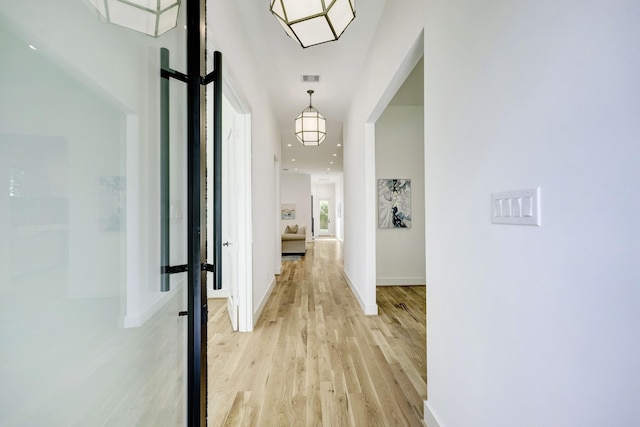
(151, 17)
(311, 22)
(311, 127)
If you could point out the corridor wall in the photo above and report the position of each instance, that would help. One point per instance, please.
(526, 325)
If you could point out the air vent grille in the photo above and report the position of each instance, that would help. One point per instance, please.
(310, 78)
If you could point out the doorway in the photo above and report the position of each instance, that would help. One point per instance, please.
(400, 109)
(324, 219)
(236, 284)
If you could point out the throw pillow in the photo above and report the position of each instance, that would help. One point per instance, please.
(288, 230)
(294, 229)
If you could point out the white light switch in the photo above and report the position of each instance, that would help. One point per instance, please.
(527, 206)
(516, 207)
(497, 207)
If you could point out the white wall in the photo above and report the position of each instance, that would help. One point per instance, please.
(526, 326)
(130, 91)
(399, 149)
(81, 107)
(325, 192)
(295, 189)
(397, 36)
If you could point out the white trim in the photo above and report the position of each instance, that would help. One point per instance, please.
(258, 312)
(138, 319)
(370, 215)
(368, 309)
(217, 293)
(245, 291)
(400, 281)
(245, 234)
(429, 417)
(277, 241)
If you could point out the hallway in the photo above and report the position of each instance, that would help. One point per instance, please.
(314, 359)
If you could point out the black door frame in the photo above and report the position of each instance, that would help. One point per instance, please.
(196, 266)
(196, 209)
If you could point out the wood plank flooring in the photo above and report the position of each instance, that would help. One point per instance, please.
(314, 359)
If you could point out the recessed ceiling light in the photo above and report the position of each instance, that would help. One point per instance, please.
(339, 145)
(334, 154)
(32, 47)
(330, 163)
(288, 145)
(328, 169)
(293, 160)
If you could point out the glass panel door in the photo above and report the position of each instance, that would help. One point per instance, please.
(87, 337)
(324, 218)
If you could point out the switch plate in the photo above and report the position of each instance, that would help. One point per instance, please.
(516, 207)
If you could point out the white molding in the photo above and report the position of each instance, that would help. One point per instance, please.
(400, 281)
(370, 199)
(429, 418)
(239, 103)
(245, 293)
(368, 309)
(217, 293)
(138, 319)
(258, 312)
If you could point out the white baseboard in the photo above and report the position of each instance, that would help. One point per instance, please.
(258, 311)
(135, 320)
(429, 418)
(217, 293)
(400, 281)
(368, 309)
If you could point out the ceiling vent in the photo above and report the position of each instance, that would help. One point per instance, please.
(310, 78)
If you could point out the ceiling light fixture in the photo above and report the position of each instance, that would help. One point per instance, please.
(151, 17)
(311, 22)
(310, 125)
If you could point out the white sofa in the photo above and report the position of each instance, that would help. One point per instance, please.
(294, 239)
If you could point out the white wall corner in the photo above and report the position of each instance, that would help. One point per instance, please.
(368, 309)
(429, 418)
(258, 312)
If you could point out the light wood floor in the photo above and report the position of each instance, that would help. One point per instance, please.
(314, 359)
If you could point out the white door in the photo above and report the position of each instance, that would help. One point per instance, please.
(230, 211)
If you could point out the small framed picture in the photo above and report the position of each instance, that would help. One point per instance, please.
(288, 211)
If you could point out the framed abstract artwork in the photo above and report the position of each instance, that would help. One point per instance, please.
(394, 203)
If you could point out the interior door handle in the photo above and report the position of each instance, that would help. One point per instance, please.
(226, 244)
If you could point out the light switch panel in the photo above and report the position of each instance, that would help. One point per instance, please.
(516, 207)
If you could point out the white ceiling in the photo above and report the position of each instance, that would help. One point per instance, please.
(339, 65)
